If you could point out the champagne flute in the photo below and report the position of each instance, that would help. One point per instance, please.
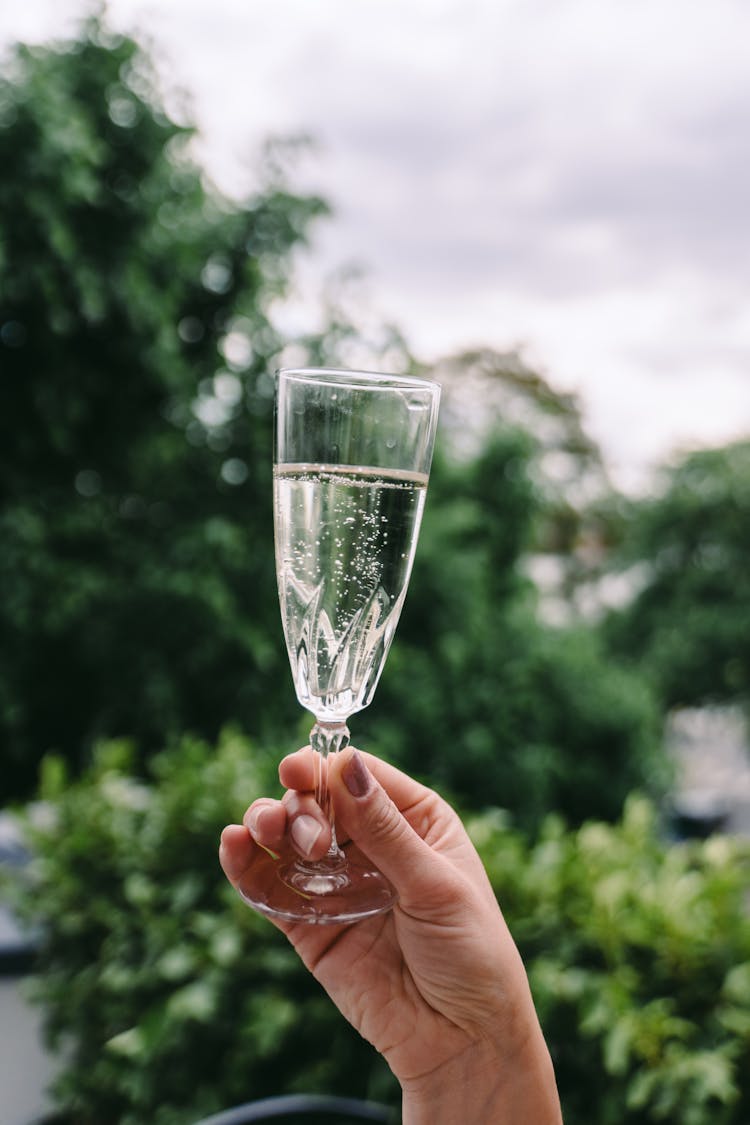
(352, 456)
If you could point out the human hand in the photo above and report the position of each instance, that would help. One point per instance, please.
(436, 985)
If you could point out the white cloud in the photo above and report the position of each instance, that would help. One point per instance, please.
(571, 174)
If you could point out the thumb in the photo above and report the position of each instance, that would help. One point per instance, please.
(422, 877)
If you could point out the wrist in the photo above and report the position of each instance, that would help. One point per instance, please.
(481, 1086)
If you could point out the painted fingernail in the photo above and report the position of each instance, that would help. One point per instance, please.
(305, 832)
(356, 776)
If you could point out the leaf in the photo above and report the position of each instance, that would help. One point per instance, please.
(196, 1001)
(130, 1043)
(617, 1047)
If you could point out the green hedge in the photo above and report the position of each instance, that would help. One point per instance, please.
(169, 999)
(639, 959)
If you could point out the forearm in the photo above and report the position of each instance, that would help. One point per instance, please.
(487, 1092)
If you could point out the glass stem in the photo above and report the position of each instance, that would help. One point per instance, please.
(326, 739)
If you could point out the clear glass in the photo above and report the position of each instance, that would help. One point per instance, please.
(352, 457)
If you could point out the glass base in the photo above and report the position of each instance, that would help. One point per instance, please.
(330, 892)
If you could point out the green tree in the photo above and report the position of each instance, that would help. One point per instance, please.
(136, 345)
(135, 402)
(686, 550)
(483, 694)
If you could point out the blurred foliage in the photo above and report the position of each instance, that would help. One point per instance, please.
(568, 472)
(136, 349)
(686, 549)
(136, 359)
(639, 959)
(479, 695)
(168, 998)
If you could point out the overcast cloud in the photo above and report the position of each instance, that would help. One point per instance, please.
(572, 175)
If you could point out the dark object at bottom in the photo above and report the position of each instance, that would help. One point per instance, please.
(696, 816)
(302, 1108)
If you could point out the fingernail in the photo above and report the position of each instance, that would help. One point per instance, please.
(227, 858)
(356, 776)
(252, 821)
(305, 831)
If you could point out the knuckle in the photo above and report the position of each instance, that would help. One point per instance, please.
(383, 819)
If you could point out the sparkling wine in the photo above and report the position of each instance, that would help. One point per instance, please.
(345, 543)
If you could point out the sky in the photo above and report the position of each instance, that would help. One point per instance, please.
(571, 177)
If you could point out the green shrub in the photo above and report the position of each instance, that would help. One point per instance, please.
(169, 999)
(166, 997)
(639, 959)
